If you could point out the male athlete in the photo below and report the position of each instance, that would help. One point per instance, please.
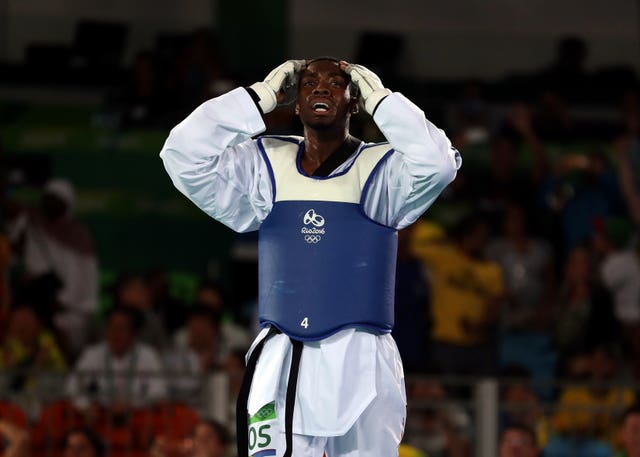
(324, 375)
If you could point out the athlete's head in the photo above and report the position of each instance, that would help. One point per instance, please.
(326, 98)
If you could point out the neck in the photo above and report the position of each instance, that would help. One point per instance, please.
(320, 144)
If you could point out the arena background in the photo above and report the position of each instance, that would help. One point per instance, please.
(71, 77)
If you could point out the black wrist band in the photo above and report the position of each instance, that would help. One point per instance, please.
(255, 98)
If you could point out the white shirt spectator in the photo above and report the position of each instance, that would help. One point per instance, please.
(135, 378)
(620, 273)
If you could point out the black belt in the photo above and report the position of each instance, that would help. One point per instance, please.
(242, 424)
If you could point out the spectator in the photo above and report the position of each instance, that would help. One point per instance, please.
(406, 450)
(527, 269)
(172, 310)
(467, 291)
(83, 442)
(440, 427)
(521, 405)
(28, 350)
(567, 72)
(60, 259)
(210, 439)
(583, 188)
(630, 432)
(620, 274)
(583, 314)
(469, 116)
(211, 295)
(133, 291)
(16, 439)
(505, 181)
(518, 441)
(120, 372)
(590, 410)
(552, 117)
(203, 354)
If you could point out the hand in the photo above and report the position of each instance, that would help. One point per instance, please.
(371, 89)
(273, 90)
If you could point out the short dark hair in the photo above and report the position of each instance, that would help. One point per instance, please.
(330, 58)
(94, 440)
(220, 430)
(133, 314)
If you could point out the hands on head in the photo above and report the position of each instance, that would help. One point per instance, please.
(279, 87)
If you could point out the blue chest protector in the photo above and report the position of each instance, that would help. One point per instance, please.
(323, 264)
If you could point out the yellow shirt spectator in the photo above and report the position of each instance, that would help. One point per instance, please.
(48, 356)
(582, 410)
(409, 451)
(29, 347)
(463, 288)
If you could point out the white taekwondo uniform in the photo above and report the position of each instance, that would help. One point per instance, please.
(350, 398)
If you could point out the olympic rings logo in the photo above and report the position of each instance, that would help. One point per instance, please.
(312, 239)
(311, 217)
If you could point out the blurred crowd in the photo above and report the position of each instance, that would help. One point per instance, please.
(526, 270)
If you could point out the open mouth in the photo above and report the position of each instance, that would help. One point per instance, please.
(320, 107)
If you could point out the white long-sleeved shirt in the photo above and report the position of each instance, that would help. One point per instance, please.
(212, 159)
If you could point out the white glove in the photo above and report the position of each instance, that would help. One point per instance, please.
(282, 78)
(371, 89)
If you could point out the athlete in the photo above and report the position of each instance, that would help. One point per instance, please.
(324, 374)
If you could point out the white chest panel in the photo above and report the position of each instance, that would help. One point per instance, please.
(292, 184)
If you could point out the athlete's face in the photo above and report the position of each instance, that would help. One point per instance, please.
(324, 96)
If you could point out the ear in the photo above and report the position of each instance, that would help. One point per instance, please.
(297, 109)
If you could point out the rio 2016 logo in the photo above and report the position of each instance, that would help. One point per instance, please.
(313, 235)
(311, 217)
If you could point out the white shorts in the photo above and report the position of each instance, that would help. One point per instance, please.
(376, 432)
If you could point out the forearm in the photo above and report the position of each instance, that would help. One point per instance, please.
(211, 160)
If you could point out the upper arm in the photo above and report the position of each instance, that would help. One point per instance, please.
(423, 164)
(232, 187)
